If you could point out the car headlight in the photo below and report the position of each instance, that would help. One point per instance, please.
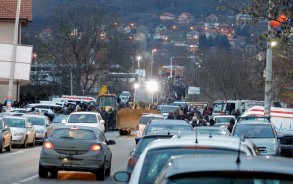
(40, 131)
(18, 134)
(273, 149)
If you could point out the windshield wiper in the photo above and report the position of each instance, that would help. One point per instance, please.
(66, 137)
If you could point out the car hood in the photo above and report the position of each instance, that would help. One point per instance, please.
(17, 130)
(38, 127)
(264, 142)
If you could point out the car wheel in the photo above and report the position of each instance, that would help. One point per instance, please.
(1, 147)
(108, 170)
(43, 172)
(25, 143)
(34, 142)
(9, 147)
(54, 173)
(101, 173)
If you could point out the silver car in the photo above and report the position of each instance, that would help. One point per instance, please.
(76, 148)
(23, 132)
(42, 126)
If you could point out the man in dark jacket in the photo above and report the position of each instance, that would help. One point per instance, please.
(104, 116)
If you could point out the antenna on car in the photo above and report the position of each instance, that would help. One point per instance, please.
(238, 161)
(210, 134)
(168, 132)
(196, 135)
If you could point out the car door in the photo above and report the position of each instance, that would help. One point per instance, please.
(30, 131)
(6, 134)
(103, 141)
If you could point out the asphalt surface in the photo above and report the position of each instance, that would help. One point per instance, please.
(20, 166)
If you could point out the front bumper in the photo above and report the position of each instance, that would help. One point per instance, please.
(17, 140)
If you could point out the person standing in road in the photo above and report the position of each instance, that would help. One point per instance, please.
(231, 124)
(104, 115)
(110, 119)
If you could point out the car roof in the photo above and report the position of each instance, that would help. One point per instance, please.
(253, 122)
(34, 115)
(212, 163)
(224, 116)
(15, 117)
(168, 122)
(201, 141)
(84, 112)
(149, 136)
(209, 128)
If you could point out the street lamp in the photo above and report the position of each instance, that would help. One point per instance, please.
(138, 66)
(152, 86)
(153, 50)
(83, 92)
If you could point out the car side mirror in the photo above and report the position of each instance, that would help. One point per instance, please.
(29, 126)
(131, 153)
(102, 121)
(111, 142)
(122, 176)
(47, 125)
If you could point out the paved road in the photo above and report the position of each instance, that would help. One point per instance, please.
(20, 166)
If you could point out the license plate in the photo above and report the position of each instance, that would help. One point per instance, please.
(67, 162)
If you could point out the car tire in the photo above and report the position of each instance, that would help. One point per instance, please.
(108, 170)
(25, 142)
(1, 147)
(54, 173)
(33, 144)
(101, 173)
(43, 172)
(9, 147)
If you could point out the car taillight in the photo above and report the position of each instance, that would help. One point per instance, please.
(132, 161)
(96, 147)
(48, 145)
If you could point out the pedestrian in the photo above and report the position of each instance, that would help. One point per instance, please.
(212, 122)
(110, 119)
(202, 122)
(231, 125)
(104, 115)
(194, 121)
(237, 113)
(171, 115)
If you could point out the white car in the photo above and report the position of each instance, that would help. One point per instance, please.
(144, 119)
(42, 126)
(23, 132)
(223, 120)
(157, 153)
(92, 119)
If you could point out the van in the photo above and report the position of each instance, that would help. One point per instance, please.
(42, 106)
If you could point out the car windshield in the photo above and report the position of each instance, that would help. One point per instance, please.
(166, 109)
(125, 94)
(218, 107)
(58, 119)
(163, 128)
(72, 133)
(18, 123)
(106, 101)
(156, 159)
(254, 130)
(38, 121)
(223, 119)
(145, 119)
(82, 118)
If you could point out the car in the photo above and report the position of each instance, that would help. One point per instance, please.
(82, 118)
(19, 110)
(211, 130)
(5, 136)
(59, 120)
(260, 131)
(23, 132)
(165, 109)
(76, 148)
(143, 142)
(144, 119)
(225, 169)
(42, 126)
(286, 143)
(159, 126)
(42, 106)
(223, 120)
(125, 95)
(157, 153)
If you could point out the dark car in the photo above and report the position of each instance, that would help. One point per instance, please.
(209, 169)
(5, 136)
(76, 148)
(286, 143)
(169, 126)
(134, 155)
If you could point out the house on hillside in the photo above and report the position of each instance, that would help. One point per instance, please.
(210, 32)
(212, 18)
(167, 17)
(185, 18)
(7, 24)
(193, 36)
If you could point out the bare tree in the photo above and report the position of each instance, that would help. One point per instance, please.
(84, 41)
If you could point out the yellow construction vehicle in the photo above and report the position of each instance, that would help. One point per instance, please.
(127, 118)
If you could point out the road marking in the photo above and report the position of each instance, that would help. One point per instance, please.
(17, 152)
(28, 179)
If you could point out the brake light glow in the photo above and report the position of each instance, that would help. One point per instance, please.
(48, 145)
(132, 161)
(95, 147)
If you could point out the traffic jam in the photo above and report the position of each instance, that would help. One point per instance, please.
(146, 92)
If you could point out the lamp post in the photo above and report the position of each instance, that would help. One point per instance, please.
(83, 92)
(152, 86)
(138, 67)
(171, 64)
(153, 50)
(13, 57)
(136, 86)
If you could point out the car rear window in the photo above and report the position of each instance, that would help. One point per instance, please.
(72, 133)
(254, 130)
(156, 159)
(82, 118)
(163, 128)
(38, 121)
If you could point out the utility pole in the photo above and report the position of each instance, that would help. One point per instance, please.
(269, 70)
